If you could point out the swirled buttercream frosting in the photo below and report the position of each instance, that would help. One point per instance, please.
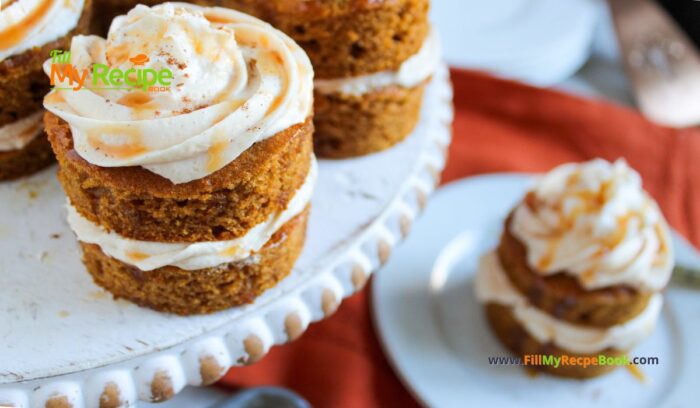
(181, 90)
(25, 24)
(595, 222)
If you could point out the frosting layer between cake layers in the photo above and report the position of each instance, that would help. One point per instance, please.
(18, 134)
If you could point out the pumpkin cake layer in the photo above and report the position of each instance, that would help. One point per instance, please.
(185, 292)
(561, 296)
(356, 125)
(140, 205)
(516, 339)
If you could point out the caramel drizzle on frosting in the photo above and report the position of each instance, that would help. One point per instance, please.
(215, 152)
(54, 97)
(133, 147)
(14, 34)
(216, 19)
(589, 202)
(141, 103)
(136, 100)
(636, 372)
(6, 4)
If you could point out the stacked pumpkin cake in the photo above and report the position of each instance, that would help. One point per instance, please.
(579, 268)
(29, 31)
(191, 197)
(372, 58)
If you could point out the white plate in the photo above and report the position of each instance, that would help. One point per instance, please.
(61, 336)
(438, 341)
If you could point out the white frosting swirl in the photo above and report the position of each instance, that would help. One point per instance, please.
(492, 286)
(595, 222)
(412, 72)
(148, 256)
(236, 81)
(25, 24)
(18, 134)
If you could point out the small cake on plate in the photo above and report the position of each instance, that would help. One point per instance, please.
(579, 269)
(189, 174)
(372, 60)
(29, 31)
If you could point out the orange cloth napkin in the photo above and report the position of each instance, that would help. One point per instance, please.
(499, 126)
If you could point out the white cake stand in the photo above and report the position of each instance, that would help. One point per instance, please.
(64, 342)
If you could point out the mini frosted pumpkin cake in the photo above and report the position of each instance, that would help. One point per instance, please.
(189, 193)
(29, 31)
(579, 269)
(372, 59)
